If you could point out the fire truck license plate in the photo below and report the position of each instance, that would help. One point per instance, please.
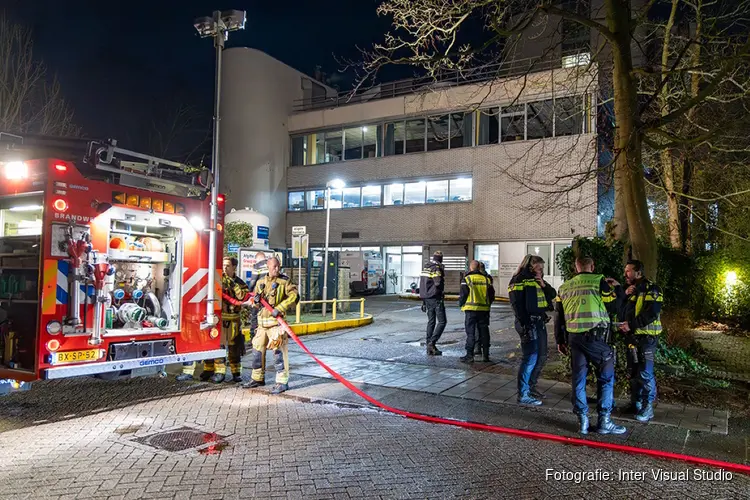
(76, 356)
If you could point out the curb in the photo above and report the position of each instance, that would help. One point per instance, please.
(447, 298)
(327, 326)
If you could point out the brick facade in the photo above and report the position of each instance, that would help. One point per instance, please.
(501, 209)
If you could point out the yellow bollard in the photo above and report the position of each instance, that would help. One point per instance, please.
(334, 309)
(297, 312)
(361, 308)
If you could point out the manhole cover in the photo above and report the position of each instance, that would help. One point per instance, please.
(180, 439)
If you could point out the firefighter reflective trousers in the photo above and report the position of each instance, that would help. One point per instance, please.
(232, 338)
(280, 355)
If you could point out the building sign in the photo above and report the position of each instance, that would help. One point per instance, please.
(299, 230)
(506, 269)
(262, 232)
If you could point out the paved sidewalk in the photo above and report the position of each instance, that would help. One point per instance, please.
(729, 356)
(233, 443)
(489, 387)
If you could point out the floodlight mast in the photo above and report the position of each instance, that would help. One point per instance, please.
(218, 28)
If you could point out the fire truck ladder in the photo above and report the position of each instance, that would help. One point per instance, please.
(155, 174)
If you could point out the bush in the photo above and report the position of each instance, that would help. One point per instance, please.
(719, 295)
(677, 326)
(608, 258)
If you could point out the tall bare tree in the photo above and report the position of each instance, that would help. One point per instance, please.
(457, 35)
(30, 101)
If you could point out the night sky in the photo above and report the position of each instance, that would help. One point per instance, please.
(119, 62)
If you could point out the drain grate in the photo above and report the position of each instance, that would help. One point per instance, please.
(181, 439)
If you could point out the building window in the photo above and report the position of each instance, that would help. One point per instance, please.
(542, 250)
(334, 146)
(539, 119)
(437, 191)
(353, 143)
(337, 196)
(489, 126)
(316, 200)
(513, 123)
(460, 189)
(559, 247)
(394, 138)
(437, 132)
(415, 135)
(414, 193)
(372, 136)
(299, 151)
(371, 196)
(568, 116)
(352, 197)
(394, 194)
(296, 201)
(461, 128)
(489, 255)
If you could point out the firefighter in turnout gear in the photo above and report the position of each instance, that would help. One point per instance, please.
(475, 299)
(640, 311)
(260, 270)
(531, 297)
(582, 324)
(281, 294)
(231, 332)
(432, 293)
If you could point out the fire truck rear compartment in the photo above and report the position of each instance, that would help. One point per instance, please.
(20, 238)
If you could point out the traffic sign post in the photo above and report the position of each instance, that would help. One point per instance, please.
(300, 248)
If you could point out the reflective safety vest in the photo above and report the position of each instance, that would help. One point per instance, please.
(478, 299)
(650, 293)
(583, 303)
(518, 286)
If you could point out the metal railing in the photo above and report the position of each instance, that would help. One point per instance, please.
(504, 69)
(335, 302)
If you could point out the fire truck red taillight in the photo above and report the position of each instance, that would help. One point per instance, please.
(61, 168)
(60, 205)
(53, 345)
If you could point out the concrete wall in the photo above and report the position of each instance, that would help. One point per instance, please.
(534, 86)
(502, 209)
(258, 93)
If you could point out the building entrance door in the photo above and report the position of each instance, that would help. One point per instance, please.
(393, 276)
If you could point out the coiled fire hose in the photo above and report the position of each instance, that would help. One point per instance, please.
(744, 469)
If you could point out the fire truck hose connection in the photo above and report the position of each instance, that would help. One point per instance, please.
(744, 469)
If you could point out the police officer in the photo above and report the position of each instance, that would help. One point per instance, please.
(582, 324)
(475, 299)
(281, 294)
(640, 310)
(231, 332)
(431, 291)
(531, 297)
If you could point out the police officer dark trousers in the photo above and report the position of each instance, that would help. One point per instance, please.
(431, 291)
(475, 299)
(531, 297)
(582, 326)
(640, 310)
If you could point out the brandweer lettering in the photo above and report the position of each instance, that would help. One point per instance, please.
(78, 218)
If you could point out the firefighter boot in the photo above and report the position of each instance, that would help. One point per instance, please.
(253, 384)
(633, 408)
(433, 351)
(468, 359)
(279, 388)
(477, 349)
(583, 424)
(606, 426)
(486, 354)
(646, 413)
(183, 377)
(207, 375)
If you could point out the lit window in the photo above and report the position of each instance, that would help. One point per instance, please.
(371, 196)
(414, 193)
(351, 197)
(394, 194)
(489, 255)
(334, 146)
(316, 200)
(296, 201)
(460, 189)
(437, 191)
(337, 196)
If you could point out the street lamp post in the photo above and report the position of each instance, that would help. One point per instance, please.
(335, 184)
(218, 28)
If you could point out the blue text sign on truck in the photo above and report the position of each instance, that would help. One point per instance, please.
(262, 232)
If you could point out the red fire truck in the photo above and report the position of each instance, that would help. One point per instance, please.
(103, 263)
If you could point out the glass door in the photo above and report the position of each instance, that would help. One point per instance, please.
(394, 278)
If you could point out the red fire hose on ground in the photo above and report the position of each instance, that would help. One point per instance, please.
(745, 469)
